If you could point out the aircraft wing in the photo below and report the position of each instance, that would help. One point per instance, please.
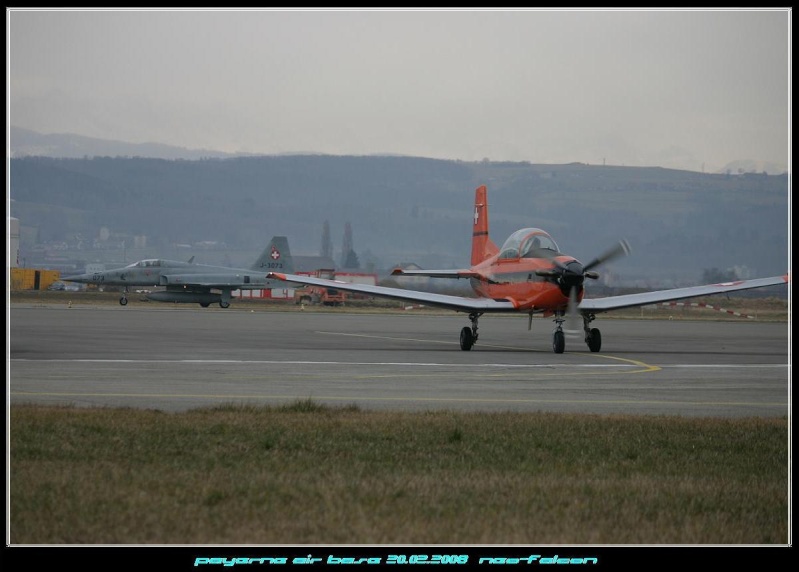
(436, 273)
(644, 298)
(459, 303)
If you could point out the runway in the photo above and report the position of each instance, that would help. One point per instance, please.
(174, 359)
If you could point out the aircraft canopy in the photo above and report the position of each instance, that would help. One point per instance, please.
(145, 263)
(527, 243)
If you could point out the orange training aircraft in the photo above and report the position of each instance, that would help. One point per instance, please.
(529, 275)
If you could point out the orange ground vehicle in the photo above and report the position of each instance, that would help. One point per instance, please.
(319, 294)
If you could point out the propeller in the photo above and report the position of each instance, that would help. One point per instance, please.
(573, 325)
(622, 247)
(571, 275)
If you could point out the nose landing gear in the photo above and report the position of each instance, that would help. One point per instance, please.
(593, 337)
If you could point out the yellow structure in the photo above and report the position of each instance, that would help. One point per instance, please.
(32, 279)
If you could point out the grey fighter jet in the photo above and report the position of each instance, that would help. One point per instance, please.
(188, 282)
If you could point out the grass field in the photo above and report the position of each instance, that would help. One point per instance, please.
(309, 474)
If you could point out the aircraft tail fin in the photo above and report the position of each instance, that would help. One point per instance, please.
(276, 257)
(482, 246)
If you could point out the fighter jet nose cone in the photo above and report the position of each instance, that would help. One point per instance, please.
(77, 278)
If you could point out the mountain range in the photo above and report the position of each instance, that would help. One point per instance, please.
(28, 143)
(109, 201)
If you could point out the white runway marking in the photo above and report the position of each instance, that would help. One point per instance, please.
(342, 363)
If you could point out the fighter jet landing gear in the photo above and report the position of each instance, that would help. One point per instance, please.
(222, 304)
(469, 335)
(124, 299)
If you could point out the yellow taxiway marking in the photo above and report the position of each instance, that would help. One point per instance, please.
(645, 367)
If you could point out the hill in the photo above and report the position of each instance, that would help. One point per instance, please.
(401, 209)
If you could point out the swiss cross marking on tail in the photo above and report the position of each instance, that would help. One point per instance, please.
(275, 254)
(476, 215)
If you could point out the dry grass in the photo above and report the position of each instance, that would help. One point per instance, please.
(310, 474)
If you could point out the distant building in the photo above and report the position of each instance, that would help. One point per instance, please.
(303, 264)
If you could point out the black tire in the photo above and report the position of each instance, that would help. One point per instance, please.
(594, 340)
(123, 301)
(224, 304)
(204, 304)
(467, 339)
(558, 342)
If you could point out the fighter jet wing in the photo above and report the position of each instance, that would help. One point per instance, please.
(644, 298)
(237, 281)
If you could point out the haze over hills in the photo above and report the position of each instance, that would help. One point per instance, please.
(28, 143)
(100, 201)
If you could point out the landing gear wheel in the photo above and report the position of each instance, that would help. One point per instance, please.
(558, 342)
(594, 340)
(224, 304)
(123, 301)
(204, 304)
(467, 339)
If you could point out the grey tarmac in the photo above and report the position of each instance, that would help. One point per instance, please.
(178, 359)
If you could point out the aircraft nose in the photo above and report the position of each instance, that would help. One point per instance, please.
(573, 274)
(83, 278)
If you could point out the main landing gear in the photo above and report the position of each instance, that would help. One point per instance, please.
(124, 299)
(469, 335)
(593, 338)
(222, 304)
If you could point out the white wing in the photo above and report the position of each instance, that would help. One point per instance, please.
(644, 298)
(459, 303)
(464, 304)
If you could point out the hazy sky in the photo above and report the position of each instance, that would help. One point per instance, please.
(639, 87)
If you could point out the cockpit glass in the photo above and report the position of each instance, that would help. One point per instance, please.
(527, 243)
(145, 263)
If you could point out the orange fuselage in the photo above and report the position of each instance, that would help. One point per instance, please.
(515, 279)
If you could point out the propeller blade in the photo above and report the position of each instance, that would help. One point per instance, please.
(572, 327)
(550, 255)
(622, 248)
